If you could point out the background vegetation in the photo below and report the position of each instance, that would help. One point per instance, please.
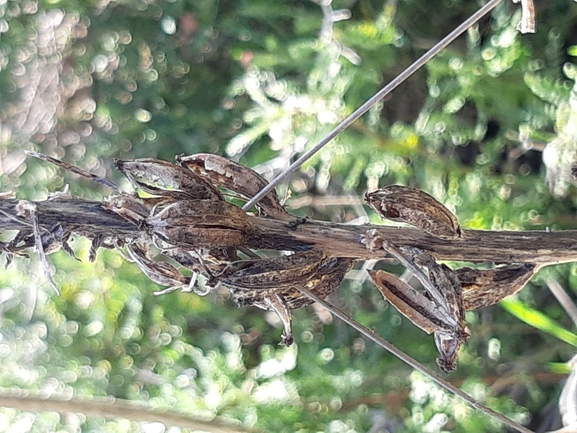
(489, 127)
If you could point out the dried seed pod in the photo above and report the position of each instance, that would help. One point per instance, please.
(448, 345)
(444, 315)
(421, 311)
(451, 337)
(202, 213)
(450, 340)
(272, 273)
(237, 178)
(166, 179)
(407, 256)
(484, 287)
(162, 273)
(201, 223)
(193, 238)
(323, 282)
(416, 207)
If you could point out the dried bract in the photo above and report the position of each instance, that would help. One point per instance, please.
(29, 210)
(235, 177)
(416, 207)
(94, 246)
(129, 207)
(484, 287)
(162, 273)
(166, 179)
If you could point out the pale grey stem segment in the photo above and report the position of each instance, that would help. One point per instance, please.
(563, 298)
(527, 24)
(368, 333)
(372, 101)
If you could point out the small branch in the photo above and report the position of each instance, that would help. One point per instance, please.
(84, 215)
(368, 333)
(337, 240)
(478, 246)
(111, 408)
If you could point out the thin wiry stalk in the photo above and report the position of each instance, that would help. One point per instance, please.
(376, 98)
(112, 408)
(563, 298)
(412, 362)
(74, 169)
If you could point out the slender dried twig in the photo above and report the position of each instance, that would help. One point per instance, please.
(368, 333)
(372, 101)
(112, 408)
(563, 298)
(15, 219)
(73, 169)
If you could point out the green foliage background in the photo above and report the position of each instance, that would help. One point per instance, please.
(488, 127)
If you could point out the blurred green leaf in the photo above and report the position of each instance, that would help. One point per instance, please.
(538, 320)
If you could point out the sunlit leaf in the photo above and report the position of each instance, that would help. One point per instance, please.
(538, 320)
